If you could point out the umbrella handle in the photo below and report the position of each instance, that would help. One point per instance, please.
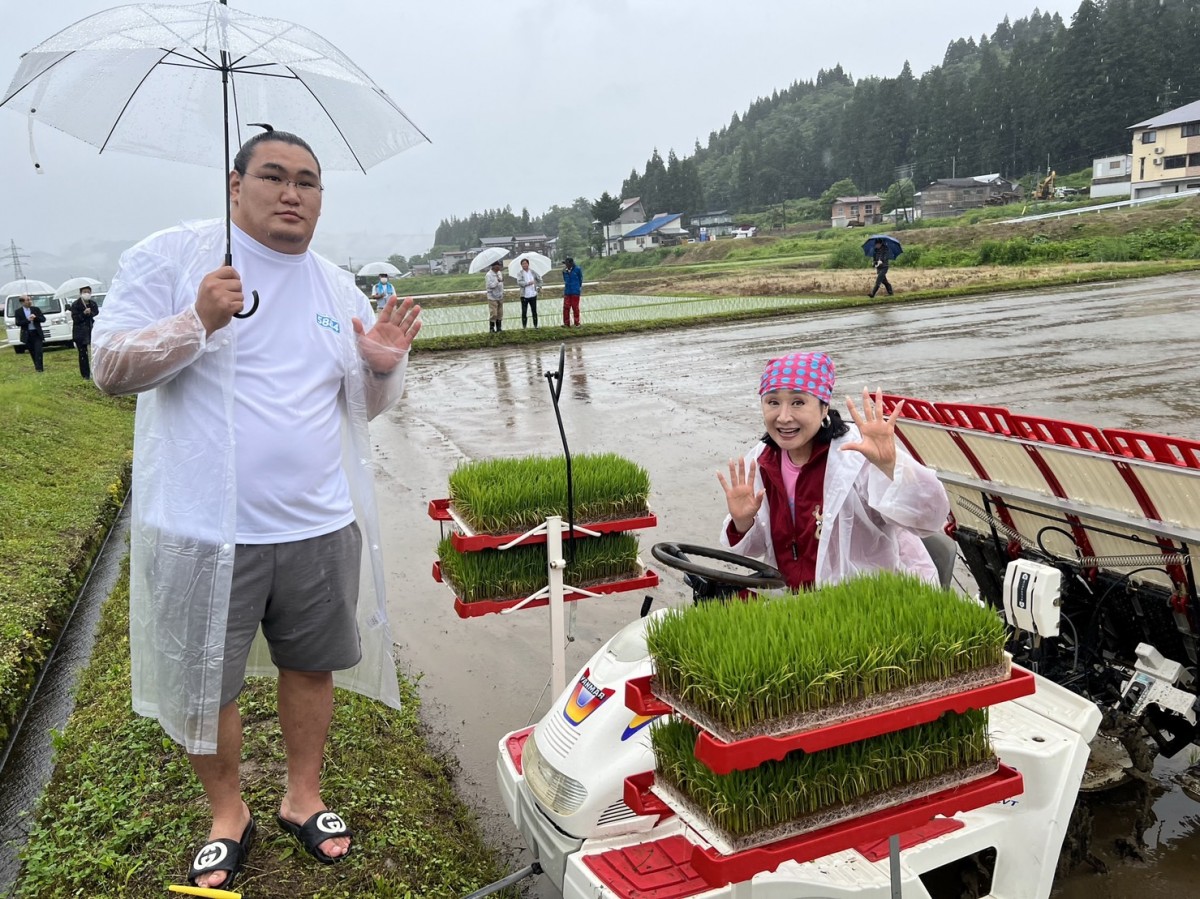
(253, 307)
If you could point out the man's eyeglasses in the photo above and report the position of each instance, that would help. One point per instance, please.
(304, 185)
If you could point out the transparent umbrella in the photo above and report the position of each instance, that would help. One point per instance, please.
(184, 81)
(378, 268)
(485, 258)
(539, 263)
(25, 285)
(73, 285)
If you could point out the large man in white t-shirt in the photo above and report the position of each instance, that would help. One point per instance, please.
(253, 495)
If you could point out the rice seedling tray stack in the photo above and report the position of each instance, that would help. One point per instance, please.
(494, 501)
(466, 540)
(723, 756)
(720, 869)
(479, 607)
(492, 563)
(781, 666)
(802, 715)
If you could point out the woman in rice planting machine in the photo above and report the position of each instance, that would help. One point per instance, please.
(821, 499)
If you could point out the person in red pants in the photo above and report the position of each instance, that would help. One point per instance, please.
(572, 288)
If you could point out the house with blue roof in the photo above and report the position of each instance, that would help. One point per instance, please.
(664, 230)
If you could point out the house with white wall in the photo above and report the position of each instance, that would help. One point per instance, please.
(1111, 176)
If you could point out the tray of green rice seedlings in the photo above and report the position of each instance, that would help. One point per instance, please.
(492, 500)
(773, 666)
(805, 792)
(513, 574)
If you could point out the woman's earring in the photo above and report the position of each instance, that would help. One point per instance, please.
(826, 421)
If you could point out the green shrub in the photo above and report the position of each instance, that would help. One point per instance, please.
(847, 256)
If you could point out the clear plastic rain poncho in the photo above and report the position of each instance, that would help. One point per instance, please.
(149, 341)
(869, 521)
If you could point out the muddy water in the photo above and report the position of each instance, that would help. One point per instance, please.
(680, 404)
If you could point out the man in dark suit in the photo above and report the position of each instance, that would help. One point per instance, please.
(29, 319)
(83, 312)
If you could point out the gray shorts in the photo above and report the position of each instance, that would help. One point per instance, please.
(305, 596)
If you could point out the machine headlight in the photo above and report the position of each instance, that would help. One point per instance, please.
(554, 790)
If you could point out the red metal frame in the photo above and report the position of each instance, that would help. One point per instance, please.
(738, 755)
(1154, 447)
(493, 606)
(439, 510)
(721, 870)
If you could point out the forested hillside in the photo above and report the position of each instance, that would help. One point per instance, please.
(1036, 93)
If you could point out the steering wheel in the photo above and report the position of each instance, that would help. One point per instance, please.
(676, 555)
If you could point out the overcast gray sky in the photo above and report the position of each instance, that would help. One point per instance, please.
(602, 82)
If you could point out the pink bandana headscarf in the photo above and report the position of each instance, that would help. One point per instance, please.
(806, 372)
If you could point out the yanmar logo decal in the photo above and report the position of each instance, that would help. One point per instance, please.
(331, 323)
(585, 698)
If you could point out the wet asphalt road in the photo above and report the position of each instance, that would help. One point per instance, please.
(680, 404)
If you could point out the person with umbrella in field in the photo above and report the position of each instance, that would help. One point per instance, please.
(247, 499)
(29, 319)
(83, 316)
(882, 251)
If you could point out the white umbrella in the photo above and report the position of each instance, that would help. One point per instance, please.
(485, 258)
(378, 268)
(25, 285)
(537, 262)
(73, 286)
(181, 82)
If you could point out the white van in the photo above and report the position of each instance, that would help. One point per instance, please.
(57, 326)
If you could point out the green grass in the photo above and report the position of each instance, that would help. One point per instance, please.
(742, 803)
(744, 663)
(67, 452)
(503, 496)
(516, 573)
(123, 814)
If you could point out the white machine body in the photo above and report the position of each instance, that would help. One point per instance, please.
(1153, 683)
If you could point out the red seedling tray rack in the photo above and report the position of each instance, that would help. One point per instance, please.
(439, 510)
(493, 606)
(721, 870)
(722, 757)
(639, 797)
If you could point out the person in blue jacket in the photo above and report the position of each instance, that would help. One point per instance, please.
(572, 288)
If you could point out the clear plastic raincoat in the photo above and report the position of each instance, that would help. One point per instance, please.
(868, 522)
(150, 342)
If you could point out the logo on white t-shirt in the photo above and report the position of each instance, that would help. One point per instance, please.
(331, 323)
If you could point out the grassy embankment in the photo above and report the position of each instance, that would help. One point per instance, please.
(123, 812)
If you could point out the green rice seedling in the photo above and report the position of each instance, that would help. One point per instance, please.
(516, 573)
(803, 785)
(739, 664)
(502, 496)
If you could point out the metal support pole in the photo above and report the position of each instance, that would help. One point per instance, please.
(894, 863)
(555, 563)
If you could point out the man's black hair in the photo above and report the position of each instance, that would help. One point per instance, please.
(242, 160)
(826, 434)
(570, 259)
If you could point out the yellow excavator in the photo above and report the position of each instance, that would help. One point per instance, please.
(1045, 188)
